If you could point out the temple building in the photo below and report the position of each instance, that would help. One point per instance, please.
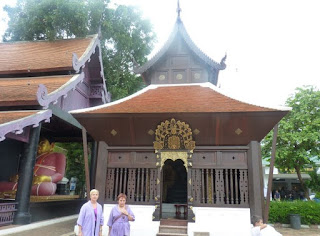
(40, 82)
(182, 151)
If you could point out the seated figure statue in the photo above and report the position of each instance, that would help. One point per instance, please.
(48, 170)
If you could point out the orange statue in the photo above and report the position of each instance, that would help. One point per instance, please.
(49, 169)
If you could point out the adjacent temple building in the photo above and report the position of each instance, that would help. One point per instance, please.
(39, 83)
(184, 153)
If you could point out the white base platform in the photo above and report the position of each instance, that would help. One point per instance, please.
(221, 221)
(216, 221)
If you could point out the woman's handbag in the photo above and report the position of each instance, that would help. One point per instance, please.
(76, 229)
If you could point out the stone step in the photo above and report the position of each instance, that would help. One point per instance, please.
(173, 222)
(171, 234)
(173, 229)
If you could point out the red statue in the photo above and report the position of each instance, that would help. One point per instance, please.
(49, 169)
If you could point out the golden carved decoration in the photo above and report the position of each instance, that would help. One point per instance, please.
(196, 131)
(191, 199)
(157, 164)
(179, 76)
(190, 181)
(173, 135)
(113, 132)
(151, 132)
(174, 156)
(238, 131)
(162, 77)
(174, 142)
(191, 207)
(158, 181)
(155, 198)
(194, 218)
(190, 164)
(156, 206)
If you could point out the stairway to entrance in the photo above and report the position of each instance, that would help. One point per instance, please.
(171, 227)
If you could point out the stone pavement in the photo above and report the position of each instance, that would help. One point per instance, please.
(64, 227)
(300, 232)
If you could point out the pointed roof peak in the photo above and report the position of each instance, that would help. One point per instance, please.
(178, 10)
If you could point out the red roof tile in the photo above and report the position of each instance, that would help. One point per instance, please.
(23, 91)
(40, 56)
(176, 99)
(8, 116)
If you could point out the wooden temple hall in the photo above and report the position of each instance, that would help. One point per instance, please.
(180, 149)
(40, 82)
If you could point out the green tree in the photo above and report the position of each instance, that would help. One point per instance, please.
(299, 134)
(75, 163)
(124, 34)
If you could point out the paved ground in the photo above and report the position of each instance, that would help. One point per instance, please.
(300, 232)
(65, 228)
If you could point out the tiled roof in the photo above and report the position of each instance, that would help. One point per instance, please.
(189, 98)
(8, 116)
(41, 56)
(23, 91)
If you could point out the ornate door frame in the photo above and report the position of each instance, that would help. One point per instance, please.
(173, 140)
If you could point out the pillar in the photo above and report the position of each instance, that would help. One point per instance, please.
(27, 163)
(93, 164)
(256, 199)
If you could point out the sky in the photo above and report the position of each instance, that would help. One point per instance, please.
(272, 46)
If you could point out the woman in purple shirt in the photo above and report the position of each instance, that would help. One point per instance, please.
(90, 219)
(119, 218)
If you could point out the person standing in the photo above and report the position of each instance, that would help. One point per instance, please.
(90, 220)
(119, 218)
(277, 196)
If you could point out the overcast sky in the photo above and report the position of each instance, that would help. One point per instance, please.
(273, 46)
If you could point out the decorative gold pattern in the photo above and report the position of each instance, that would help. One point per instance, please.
(156, 206)
(194, 218)
(190, 163)
(179, 76)
(162, 77)
(191, 199)
(238, 131)
(157, 164)
(170, 133)
(174, 142)
(190, 181)
(174, 156)
(158, 181)
(113, 132)
(196, 131)
(151, 132)
(155, 198)
(191, 207)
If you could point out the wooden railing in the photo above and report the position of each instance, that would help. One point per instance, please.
(139, 184)
(7, 211)
(214, 187)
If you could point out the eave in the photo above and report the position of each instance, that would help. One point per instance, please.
(16, 121)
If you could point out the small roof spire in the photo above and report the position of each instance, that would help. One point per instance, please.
(178, 9)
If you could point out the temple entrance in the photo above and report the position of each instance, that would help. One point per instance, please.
(174, 190)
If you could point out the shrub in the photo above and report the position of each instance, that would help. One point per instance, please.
(280, 211)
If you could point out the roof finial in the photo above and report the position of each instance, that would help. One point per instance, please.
(178, 9)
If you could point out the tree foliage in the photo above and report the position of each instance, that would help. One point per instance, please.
(298, 139)
(125, 35)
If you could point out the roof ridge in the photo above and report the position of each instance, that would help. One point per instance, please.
(48, 41)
